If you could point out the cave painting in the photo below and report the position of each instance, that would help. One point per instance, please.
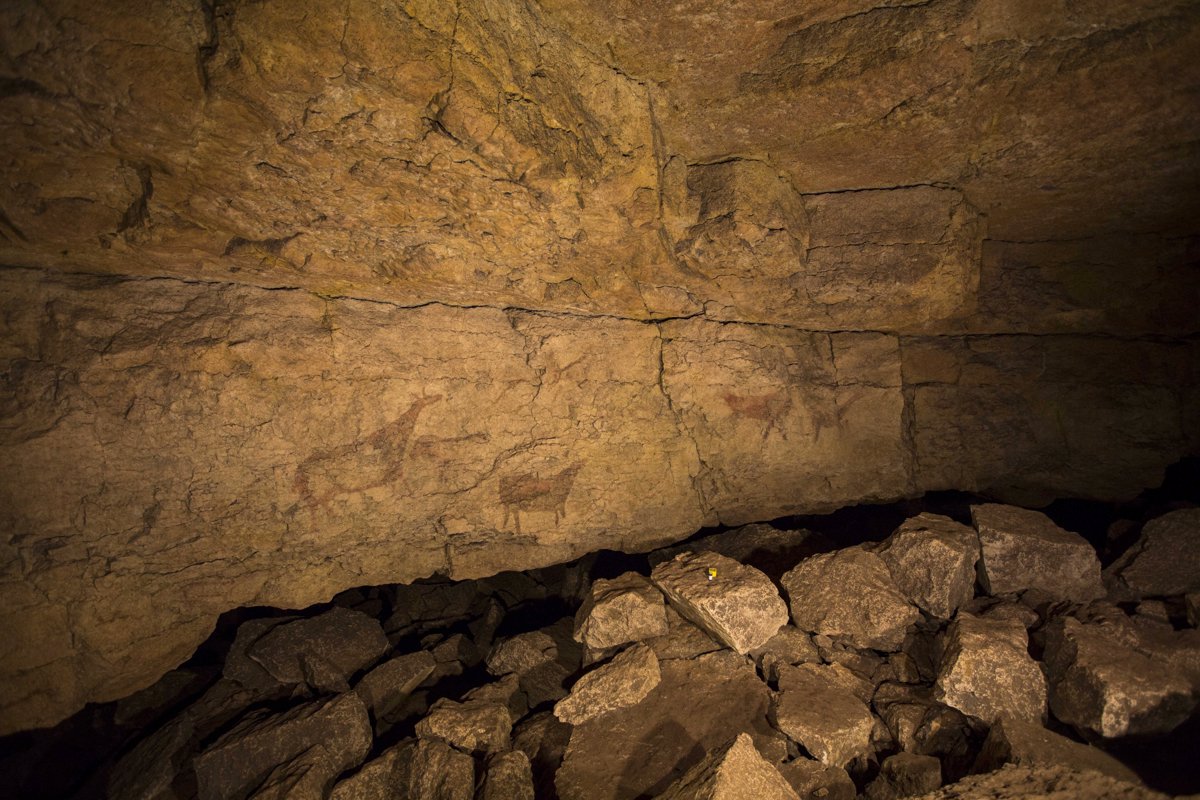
(769, 408)
(371, 461)
(531, 492)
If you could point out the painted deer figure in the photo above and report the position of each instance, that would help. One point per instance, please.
(768, 408)
(530, 492)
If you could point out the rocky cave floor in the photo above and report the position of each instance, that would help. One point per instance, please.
(946, 647)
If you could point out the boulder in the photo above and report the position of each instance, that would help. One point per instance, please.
(1165, 559)
(625, 609)
(473, 727)
(736, 604)
(640, 750)
(243, 669)
(905, 775)
(521, 653)
(324, 651)
(622, 682)
(1022, 549)
(508, 776)
(382, 778)
(812, 780)
(385, 688)
(732, 772)
(506, 691)
(1043, 783)
(986, 671)
(439, 772)
(1013, 741)
(932, 560)
(789, 647)
(821, 715)
(683, 639)
(849, 595)
(1101, 685)
(337, 730)
(454, 655)
(543, 738)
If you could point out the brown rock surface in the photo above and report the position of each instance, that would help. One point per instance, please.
(508, 777)
(1022, 549)
(299, 297)
(630, 676)
(812, 780)
(624, 609)
(1045, 783)
(987, 672)
(474, 726)
(1165, 559)
(1011, 741)
(817, 712)
(729, 773)
(932, 559)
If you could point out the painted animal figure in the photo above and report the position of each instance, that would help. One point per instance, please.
(530, 492)
(374, 460)
(768, 408)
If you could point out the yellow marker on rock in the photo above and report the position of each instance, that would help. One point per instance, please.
(712, 573)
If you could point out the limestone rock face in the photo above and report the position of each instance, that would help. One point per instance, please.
(472, 726)
(1165, 560)
(381, 778)
(736, 604)
(508, 777)
(732, 772)
(439, 772)
(849, 594)
(932, 559)
(1022, 549)
(624, 681)
(624, 609)
(823, 716)
(299, 297)
(986, 671)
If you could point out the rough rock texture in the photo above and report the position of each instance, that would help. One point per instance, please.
(736, 604)
(323, 651)
(1165, 560)
(905, 775)
(302, 296)
(818, 713)
(849, 594)
(386, 686)
(932, 559)
(381, 778)
(812, 780)
(522, 653)
(333, 734)
(1022, 549)
(624, 681)
(729, 773)
(641, 750)
(507, 777)
(1012, 741)
(1101, 684)
(439, 772)
(986, 671)
(789, 647)
(624, 609)
(1044, 783)
(472, 726)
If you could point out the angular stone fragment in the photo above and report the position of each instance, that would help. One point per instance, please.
(819, 714)
(1022, 549)
(1012, 741)
(521, 653)
(625, 609)
(639, 750)
(732, 772)
(1102, 685)
(789, 647)
(473, 727)
(736, 604)
(1042, 783)
(905, 775)
(506, 690)
(385, 687)
(624, 681)
(986, 671)
(812, 780)
(849, 595)
(245, 757)
(684, 639)
(1191, 604)
(454, 655)
(324, 651)
(240, 667)
(382, 778)
(439, 772)
(1165, 559)
(508, 777)
(932, 560)
(543, 738)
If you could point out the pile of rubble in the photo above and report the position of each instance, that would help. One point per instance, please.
(970, 661)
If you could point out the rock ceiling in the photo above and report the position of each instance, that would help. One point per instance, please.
(300, 295)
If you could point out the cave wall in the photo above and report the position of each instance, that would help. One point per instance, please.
(300, 296)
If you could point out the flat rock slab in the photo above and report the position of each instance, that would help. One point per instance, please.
(1101, 685)
(850, 595)
(820, 714)
(733, 772)
(473, 727)
(1165, 559)
(624, 609)
(736, 604)
(630, 676)
(246, 756)
(323, 651)
(932, 559)
(986, 671)
(697, 706)
(1022, 549)
(1013, 741)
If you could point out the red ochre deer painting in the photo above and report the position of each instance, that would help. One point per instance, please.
(531, 492)
(768, 408)
(369, 462)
